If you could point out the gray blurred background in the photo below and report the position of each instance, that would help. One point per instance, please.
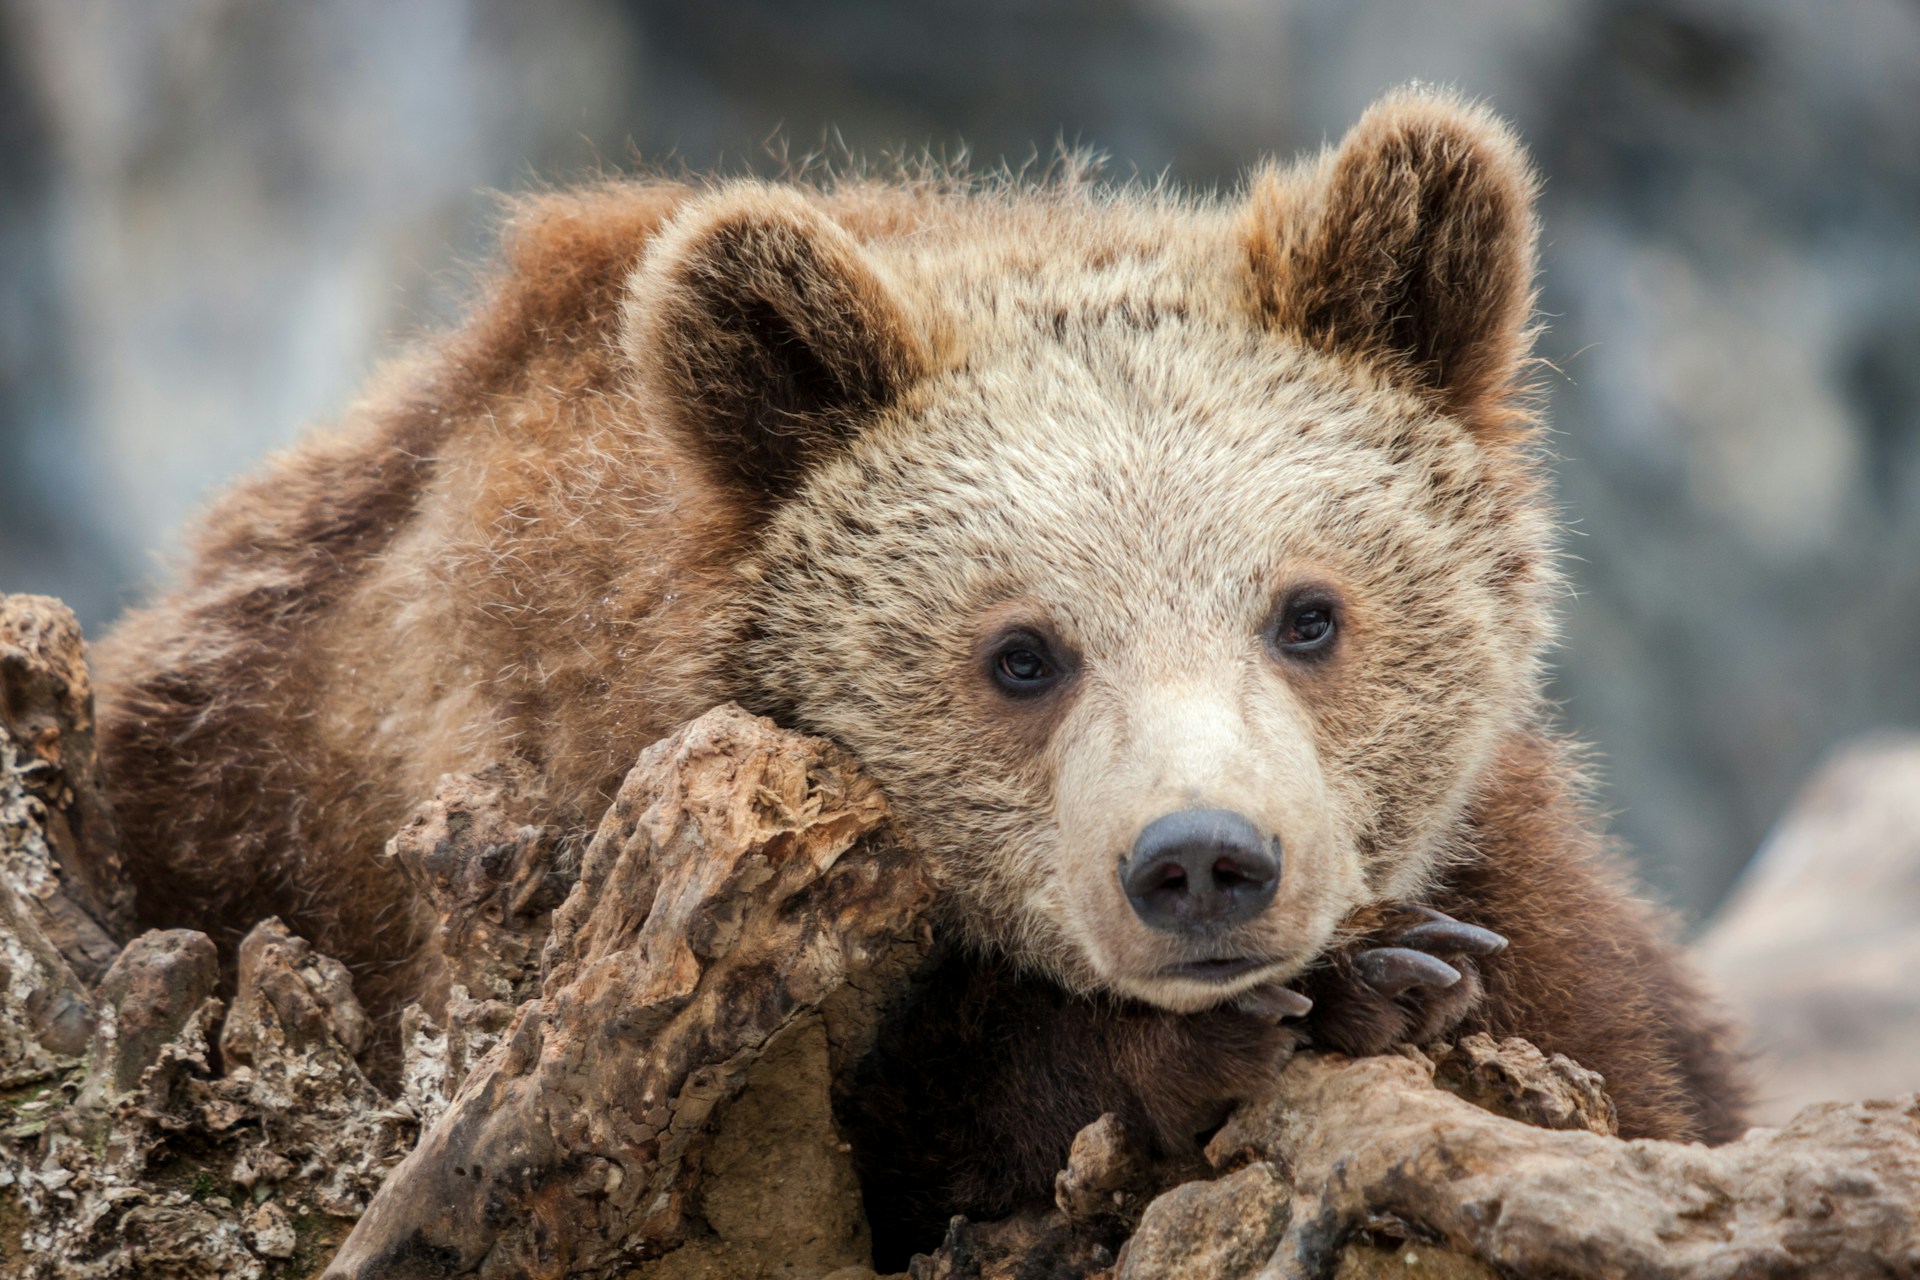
(215, 215)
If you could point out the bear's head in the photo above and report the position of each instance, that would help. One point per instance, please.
(1176, 565)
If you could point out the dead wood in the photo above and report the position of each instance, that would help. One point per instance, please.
(143, 1160)
(59, 848)
(46, 1015)
(490, 877)
(1470, 1161)
(1371, 1149)
(635, 1078)
(741, 879)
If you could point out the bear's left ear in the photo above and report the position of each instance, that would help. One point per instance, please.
(1411, 245)
(773, 335)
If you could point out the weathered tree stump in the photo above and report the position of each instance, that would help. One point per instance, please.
(742, 879)
(143, 1161)
(59, 848)
(46, 1015)
(491, 877)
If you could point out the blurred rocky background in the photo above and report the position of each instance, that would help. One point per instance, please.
(215, 215)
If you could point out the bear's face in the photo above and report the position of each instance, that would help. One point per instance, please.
(1145, 524)
(1175, 604)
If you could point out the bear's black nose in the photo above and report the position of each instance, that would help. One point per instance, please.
(1199, 869)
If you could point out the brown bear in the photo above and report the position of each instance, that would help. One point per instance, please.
(1179, 565)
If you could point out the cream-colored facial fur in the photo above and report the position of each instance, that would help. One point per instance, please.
(1149, 506)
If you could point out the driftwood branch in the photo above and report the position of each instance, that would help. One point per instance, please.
(629, 1065)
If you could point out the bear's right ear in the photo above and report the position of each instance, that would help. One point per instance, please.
(772, 333)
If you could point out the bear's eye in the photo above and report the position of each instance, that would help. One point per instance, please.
(1024, 666)
(1306, 627)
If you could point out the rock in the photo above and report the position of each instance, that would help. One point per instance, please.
(1817, 948)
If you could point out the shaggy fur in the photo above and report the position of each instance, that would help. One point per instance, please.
(821, 452)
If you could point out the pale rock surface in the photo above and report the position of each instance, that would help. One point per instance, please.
(1818, 949)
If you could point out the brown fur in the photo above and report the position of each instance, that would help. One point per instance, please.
(1591, 970)
(817, 451)
(1412, 246)
(979, 1086)
(240, 797)
(773, 337)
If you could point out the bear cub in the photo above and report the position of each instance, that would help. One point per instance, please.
(1180, 565)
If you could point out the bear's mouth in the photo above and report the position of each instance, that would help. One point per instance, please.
(1218, 969)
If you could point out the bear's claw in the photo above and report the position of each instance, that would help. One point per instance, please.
(1442, 933)
(1413, 957)
(1274, 1001)
(1411, 982)
(1392, 970)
